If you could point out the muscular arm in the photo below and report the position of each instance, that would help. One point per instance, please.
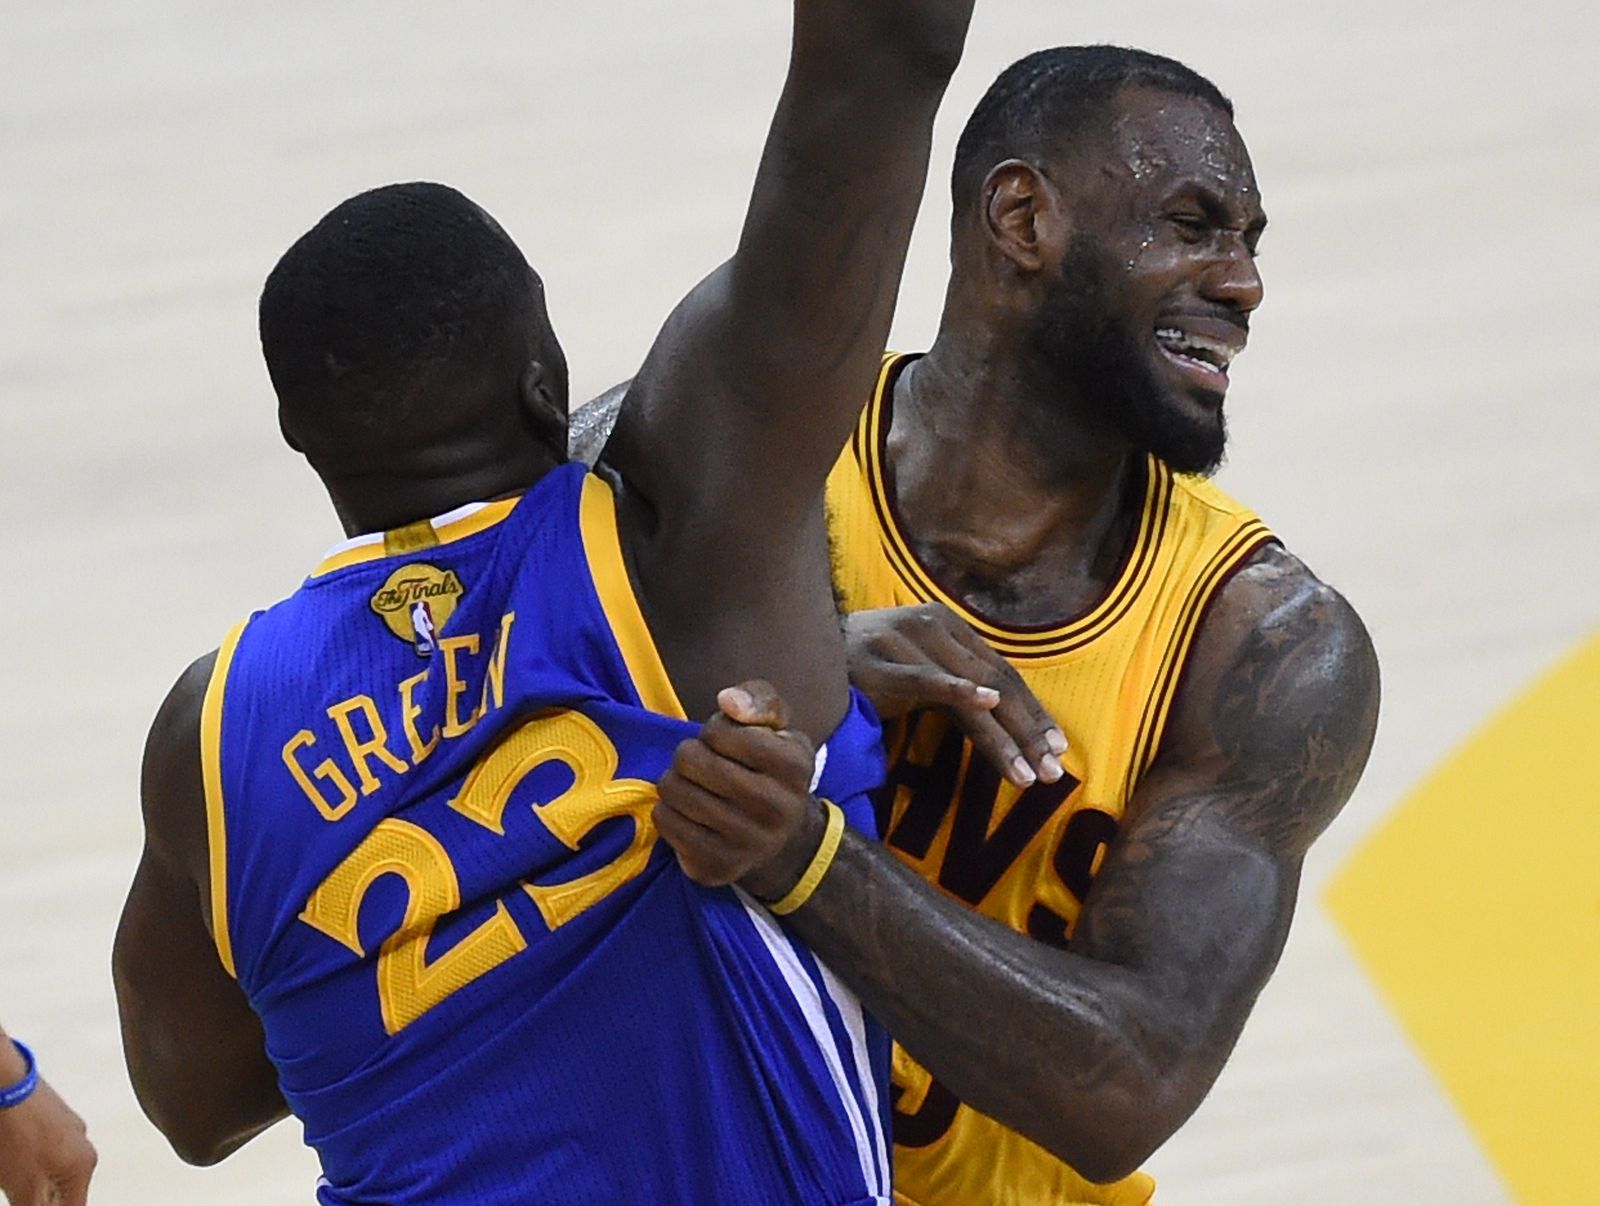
(762, 368)
(1099, 1052)
(195, 1050)
(741, 406)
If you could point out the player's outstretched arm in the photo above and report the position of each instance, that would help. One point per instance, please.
(45, 1153)
(194, 1048)
(752, 384)
(726, 436)
(1099, 1051)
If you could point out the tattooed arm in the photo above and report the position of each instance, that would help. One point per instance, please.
(1099, 1052)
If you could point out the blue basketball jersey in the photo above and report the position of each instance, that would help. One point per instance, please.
(429, 777)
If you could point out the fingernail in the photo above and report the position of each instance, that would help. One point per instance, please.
(987, 696)
(1021, 773)
(1049, 769)
(737, 697)
(1056, 740)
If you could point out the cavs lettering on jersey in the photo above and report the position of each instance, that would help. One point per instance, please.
(429, 777)
(1026, 858)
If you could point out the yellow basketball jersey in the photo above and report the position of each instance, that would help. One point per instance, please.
(1027, 858)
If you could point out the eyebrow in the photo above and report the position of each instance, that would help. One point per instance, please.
(1217, 207)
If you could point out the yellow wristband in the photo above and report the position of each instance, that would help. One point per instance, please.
(820, 862)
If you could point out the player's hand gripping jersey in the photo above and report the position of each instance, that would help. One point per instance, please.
(429, 778)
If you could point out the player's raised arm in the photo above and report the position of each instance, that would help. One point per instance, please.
(748, 393)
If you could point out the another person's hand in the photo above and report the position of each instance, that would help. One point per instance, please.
(736, 805)
(46, 1158)
(905, 658)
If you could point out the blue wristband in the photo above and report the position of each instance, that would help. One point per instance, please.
(23, 1089)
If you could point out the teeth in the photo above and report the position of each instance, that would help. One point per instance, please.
(1211, 351)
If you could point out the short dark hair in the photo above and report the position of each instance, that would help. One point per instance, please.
(388, 288)
(1041, 102)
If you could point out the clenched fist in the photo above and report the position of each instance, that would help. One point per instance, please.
(736, 805)
(46, 1158)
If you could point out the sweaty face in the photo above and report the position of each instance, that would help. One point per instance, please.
(1153, 297)
(1107, 362)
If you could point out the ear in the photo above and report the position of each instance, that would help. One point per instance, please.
(544, 411)
(1024, 215)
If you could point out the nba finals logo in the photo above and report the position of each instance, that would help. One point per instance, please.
(416, 602)
(422, 624)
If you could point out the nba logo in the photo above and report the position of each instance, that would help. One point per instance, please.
(422, 625)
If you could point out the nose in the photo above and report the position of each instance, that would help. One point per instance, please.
(1233, 278)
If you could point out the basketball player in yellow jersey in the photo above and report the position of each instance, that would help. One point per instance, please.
(1066, 953)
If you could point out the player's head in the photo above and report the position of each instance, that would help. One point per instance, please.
(407, 338)
(1109, 206)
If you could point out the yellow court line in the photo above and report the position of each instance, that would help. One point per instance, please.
(1476, 908)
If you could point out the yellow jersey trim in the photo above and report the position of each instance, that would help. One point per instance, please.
(412, 538)
(211, 778)
(597, 519)
(401, 541)
(1019, 643)
(1238, 549)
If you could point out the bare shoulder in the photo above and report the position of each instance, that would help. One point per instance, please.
(172, 787)
(1280, 698)
(1274, 604)
(591, 424)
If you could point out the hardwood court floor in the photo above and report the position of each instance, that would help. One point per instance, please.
(1416, 415)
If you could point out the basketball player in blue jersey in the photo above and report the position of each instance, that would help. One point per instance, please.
(401, 875)
(1066, 959)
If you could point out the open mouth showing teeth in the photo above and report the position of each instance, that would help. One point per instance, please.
(1212, 355)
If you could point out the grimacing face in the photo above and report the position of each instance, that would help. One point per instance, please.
(1154, 294)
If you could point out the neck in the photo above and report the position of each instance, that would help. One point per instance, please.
(986, 454)
(378, 502)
